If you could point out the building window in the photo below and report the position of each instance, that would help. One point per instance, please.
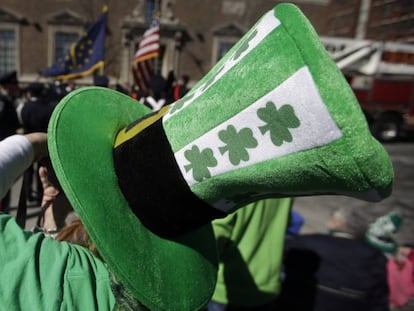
(223, 48)
(224, 39)
(388, 8)
(221, 45)
(61, 37)
(7, 50)
(63, 41)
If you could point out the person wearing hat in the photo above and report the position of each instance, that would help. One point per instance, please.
(381, 234)
(147, 185)
(9, 122)
(335, 271)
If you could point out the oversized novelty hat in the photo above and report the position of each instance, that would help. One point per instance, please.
(274, 118)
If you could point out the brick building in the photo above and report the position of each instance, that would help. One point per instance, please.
(383, 20)
(194, 33)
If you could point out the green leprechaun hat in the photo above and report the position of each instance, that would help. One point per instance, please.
(274, 118)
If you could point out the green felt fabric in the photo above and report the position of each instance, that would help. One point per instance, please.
(156, 271)
(352, 163)
(275, 117)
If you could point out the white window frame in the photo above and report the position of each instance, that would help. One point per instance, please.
(14, 27)
(52, 30)
(217, 42)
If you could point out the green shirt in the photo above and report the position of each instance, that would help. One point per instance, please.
(250, 245)
(39, 273)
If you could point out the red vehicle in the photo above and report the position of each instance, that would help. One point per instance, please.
(382, 77)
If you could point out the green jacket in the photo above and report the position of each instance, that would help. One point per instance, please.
(250, 245)
(39, 273)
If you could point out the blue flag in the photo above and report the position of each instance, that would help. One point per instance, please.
(84, 56)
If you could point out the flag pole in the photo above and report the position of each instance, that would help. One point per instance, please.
(157, 15)
(102, 68)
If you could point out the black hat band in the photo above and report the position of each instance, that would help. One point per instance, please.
(152, 183)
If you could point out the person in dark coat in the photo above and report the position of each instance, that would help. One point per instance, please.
(9, 122)
(37, 110)
(336, 271)
(181, 88)
(35, 117)
(8, 116)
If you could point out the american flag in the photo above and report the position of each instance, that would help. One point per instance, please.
(144, 58)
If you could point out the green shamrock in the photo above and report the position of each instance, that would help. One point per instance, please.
(179, 104)
(211, 80)
(236, 55)
(278, 122)
(245, 45)
(237, 143)
(200, 162)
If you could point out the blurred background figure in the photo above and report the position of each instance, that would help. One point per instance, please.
(250, 246)
(335, 271)
(296, 222)
(381, 234)
(156, 98)
(56, 91)
(35, 116)
(181, 88)
(100, 80)
(9, 123)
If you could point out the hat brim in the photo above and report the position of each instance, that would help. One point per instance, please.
(173, 274)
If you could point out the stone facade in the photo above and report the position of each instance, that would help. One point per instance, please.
(192, 31)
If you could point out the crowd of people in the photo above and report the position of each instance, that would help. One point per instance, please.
(27, 108)
(191, 207)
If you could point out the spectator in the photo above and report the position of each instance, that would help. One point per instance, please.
(181, 88)
(35, 116)
(382, 235)
(335, 271)
(9, 122)
(250, 246)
